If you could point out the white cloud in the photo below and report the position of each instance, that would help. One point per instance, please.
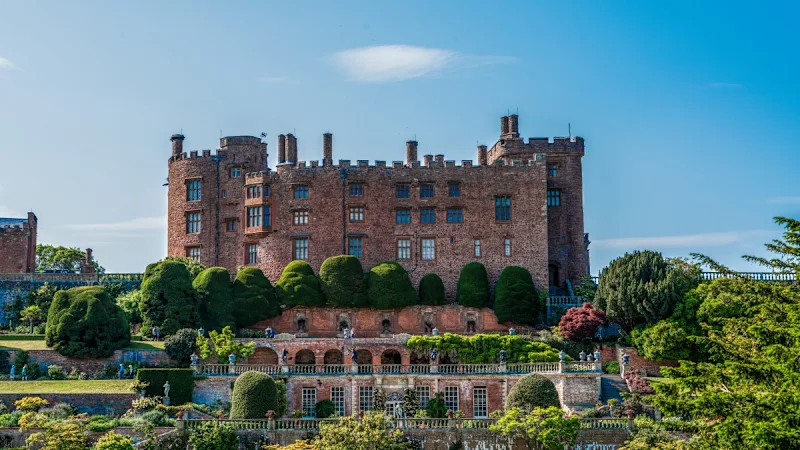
(135, 224)
(6, 64)
(9, 213)
(689, 240)
(785, 200)
(276, 80)
(386, 63)
(720, 85)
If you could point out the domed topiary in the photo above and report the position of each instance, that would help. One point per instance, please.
(215, 296)
(169, 301)
(431, 290)
(473, 286)
(253, 297)
(299, 286)
(532, 391)
(388, 286)
(515, 297)
(254, 393)
(325, 409)
(342, 280)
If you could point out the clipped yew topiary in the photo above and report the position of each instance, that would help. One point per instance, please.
(254, 298)
(324, 409)
(299, 286)
(532, 391)
(473, 286)
(388, 286)
(169, 301)
(215, 297)
(84, 322)
(515, 297)
(431, 290)
(342, 280)
(254, 393)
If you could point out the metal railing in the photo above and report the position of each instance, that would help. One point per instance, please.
(72, 277)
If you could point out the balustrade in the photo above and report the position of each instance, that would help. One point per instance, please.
(365, 369)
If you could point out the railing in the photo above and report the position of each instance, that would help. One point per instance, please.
(758, 276)
(72, 277)
(566, 301)
(581, 366)
(604, 424)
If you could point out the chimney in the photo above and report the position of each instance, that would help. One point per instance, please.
(513, 125)
(427, 160)
(440, 160)
(411, 152)
(177, 144)
(291, 149)
(281, 149)
(327, 149)
(503, 126)
(87, 266)
(483, 158)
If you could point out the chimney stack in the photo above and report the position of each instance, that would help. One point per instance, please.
(291, 149)
(513, 125)
(440, 160)
(281, 149)
(327, 149)
(177, 144)
(427, 160)
(411, 152)
(503, 126)
(483, 158)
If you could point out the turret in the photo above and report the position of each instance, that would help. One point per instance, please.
(327, 149)
(177, 144)
(411, 152)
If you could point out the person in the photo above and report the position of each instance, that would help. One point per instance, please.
(121, 371)
(155, 334)
(270, 333)
(24, 373)
(13, 372)
(130, 371)
(352, 333)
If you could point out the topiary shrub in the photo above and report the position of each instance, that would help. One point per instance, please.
(299, 286)
(431, 290)
(437, 408)
(254, 394)
(342, 280)
(582, 323)
(388, 286)
(215, 298)
(181, 345)
(515, 297)
(84, 322)
(114, 441)
(181, 383)
(473, 286)
(253, 297)
(169, 301)
(325, 409)
(532, 391)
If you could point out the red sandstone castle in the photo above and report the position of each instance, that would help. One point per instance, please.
(521, 204)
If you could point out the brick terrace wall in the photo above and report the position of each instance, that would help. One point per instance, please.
(50, 357)
(111, 404)
(208, 391)
(640, 363)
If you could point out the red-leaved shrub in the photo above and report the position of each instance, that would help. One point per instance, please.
(581, 323)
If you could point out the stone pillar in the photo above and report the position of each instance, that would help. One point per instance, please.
(411, 152)
(483, 155)
(177, 144)
(327, 149)
(513, 125)
(281, 149)
(503, 126)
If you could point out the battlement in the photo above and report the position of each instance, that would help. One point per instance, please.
(206, 154)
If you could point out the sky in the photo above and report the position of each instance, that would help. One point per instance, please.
(690, 109)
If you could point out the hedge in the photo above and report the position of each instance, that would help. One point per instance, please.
(181, 383)
(22, 337)
(168, 298)
(532, 391)
(254, 393)
(342, 280)
(299, 286)
(253, 297)
(215, 298)
(431, 290)
(388, 286)
(473, 286)
(515, 297)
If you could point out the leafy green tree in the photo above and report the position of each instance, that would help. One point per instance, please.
(222, 344)
(254, 394)
(388, 286)
(254, 297)
(299, 286)
(342, 280)
(515, 297)
(168, 300)
(585, 288)
(68, 434)
(84, 322)
(130, 302)
(181, 345)
(215, 297)
(62, 259)
(31, 314)
(214, 436)
(437, 408)
(532, 391)
(665, 340)
(540, 428)
(431, 290)
(473, 286)
(114, 441)
(375, 431)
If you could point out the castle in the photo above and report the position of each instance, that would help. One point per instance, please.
(18, 244)
(520, 204)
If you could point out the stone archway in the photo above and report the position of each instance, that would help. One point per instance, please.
(334, 361)
(364, 361)
(263, 355)
(391, 356)
(305, 357)
(420, 358)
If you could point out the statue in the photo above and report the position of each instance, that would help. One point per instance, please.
(398, 411)
(435, 331)
(434, 355)
(590, 357)
(195, 359)
(166, 389)
(503, 356)
(512, 332)
(346, 333)
(354, 356)
(582, 355)
(562, 357)
(231, 359)
(202, 332)
(269, 332)
(284, 355)
(626, 358)
(352, 333)
(598, 355)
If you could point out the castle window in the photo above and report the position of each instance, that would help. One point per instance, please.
(426, 190)
(194, 188)
(266, 190)
(224, 193)
(254, 192)
(454, 189)
(552, 170)
(477, 246)
(230, 225)
(193, 222)
(252, 253)
(236, 172)
(403, 190)
(427, 215)
(365, 398)
(502, 208)
(455, 215)
(267, 216)
(404, 249)
(254, 217)
(356, 214)
(301, 249)
(428, 249)
(479, 406)
(553, 197)
(356, 190)
(423, 395)
(337, 397)
(301, 192)
(193, 253)
(355, 247)
(403, 215)
(309, 401)
(451, 397)
(301, 217)
(507, 247)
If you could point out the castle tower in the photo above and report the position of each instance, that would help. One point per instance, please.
(411, 152)
(327, 149)
(482, 155)
(177, 144)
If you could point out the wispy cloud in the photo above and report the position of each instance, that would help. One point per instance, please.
(132, 225)
(721, 85)
(689, 240)
(387, 63)
(276, 80)
(6, 64)
(7, 212)
(785, 200)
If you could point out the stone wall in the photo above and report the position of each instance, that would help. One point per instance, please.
(641, 364)
(50, 357)
(109, 404)
(208, 391)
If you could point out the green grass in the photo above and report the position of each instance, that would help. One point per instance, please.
(66, 387)
(658, 380)
(147, 345)
(21, 337)
(40, 345)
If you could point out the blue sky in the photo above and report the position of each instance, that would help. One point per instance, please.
(690, 110)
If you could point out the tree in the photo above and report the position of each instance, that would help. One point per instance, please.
(342, 280)
(181, 345)
(84, 322)
(375, 431)
(31, 314)
(68, 434)
(532, 391)
(299, 286)
(388, 286)
(663, 341)
(324, 409)
(431, 290)
(585, 288)
(254, 394)
(582, 323)
(114, 441)
(540, 428)
(130, 302)
(473, 286)
(214, 436)
(215, 298)
(515, 297)
(62, 259)
(410, 402)
(253, 297)
(437, 408)
(193, 266)
(168, 300)
(222, 344)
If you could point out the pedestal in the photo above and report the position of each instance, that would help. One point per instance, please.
(231, 369)
(354, 368)
(284, 368)
(503, 367)
(434, 368)
(166, 401)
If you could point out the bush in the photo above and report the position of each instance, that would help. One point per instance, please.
(388, 286)
(156, 418)
(182, 344)
(283, 401)
(114, 441)
(611, 367)
(325, 409)
(215, 298)
(213, 436)
(5, 366)
(168, 300)
(299, 286)
(431, 290)
(181, 383)
(665, 340)
(342, 281)
(484, 348)
(30, 404)
(473, 286)
(253, 297)
(437, 408)
(56, 373)
(84, 322)
(582, 323)
(532, 391)
(130, 303)
(254, 393)
(515, 297)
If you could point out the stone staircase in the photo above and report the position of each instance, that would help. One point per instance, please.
(611, 386)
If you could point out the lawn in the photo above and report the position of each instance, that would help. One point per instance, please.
(40, 345)
(66, 387)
